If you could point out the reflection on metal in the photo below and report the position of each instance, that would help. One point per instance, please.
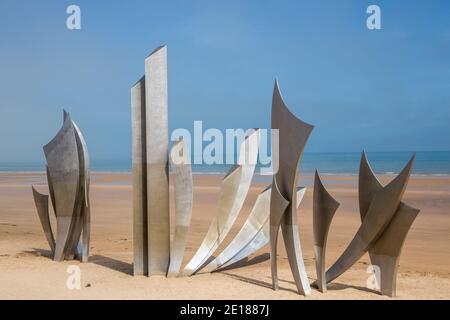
(156, 120)
(385, 253)
(254, 224)
(182, 180)
(85, 177)
(324, 208)
(254, 233)
(68, 181)
(233, 193)
(227, 196)
(149, 107)
(385, 219)
(293, 135)
(377, 217)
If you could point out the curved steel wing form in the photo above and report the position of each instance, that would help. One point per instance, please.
(254, 233)
(385, 253)
(41, 201)
(233, 193)
(64, 172)
(324, 208)
(293, 135)
(182, 180)
(68, 183)
(379, 214)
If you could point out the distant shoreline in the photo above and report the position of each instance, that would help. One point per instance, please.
(428, 163)
(217, 173)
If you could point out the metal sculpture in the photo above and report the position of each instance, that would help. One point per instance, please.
(293, 135)
(385, 253)
(324, 208)
(139, 179)
(85, 216)
(41, 201)
(151, 229)
(68, 183)
(182, 180)
(251, 228)
(253, 235)
(234, 190)
(384, 219)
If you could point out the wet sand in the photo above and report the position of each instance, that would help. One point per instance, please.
(27, 271)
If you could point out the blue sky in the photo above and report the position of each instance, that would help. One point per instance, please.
(384, 90)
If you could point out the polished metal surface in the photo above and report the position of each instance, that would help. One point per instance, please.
(139, 179)
(233, 193)
(83, 246)
(253, 235)
(228, 193)
(183, 190)
(64, 173)
(150, 176)
(41, 201)
(324, 208)
(252, 227)
(379, 214)
(157, 139)
(385, 252)
(68, 182)
(293, 135)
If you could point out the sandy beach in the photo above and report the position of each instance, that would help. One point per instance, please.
(28, 272)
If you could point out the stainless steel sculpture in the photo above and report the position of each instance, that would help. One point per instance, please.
(149, 107)
(381, 210)
(85, 216)
(385, 219)
(252, 227)
(68, 182)
(385, 223)
(385, 253)
(253, 235)
(234, 190)
(324, 208)
(182, 180)
(139, 178)
(156, 114)
(293, 135)
(41, 201)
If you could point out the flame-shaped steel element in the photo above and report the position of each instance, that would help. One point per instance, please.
(234, 190)
(182, 181)
(385, 252)
(68, 182)
(85, 206)
(149, 107)
(381, 211)
(253, 235)
(324, 208)
(293, 135)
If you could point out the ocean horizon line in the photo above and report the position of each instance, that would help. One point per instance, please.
(344, 163)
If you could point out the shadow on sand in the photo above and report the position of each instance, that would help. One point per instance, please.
(97, 259)
(341, 286)
(255, 282)
(40, 253)
(112, 264)
(246, 262)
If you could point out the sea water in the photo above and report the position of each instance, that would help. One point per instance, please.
(426, 163)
